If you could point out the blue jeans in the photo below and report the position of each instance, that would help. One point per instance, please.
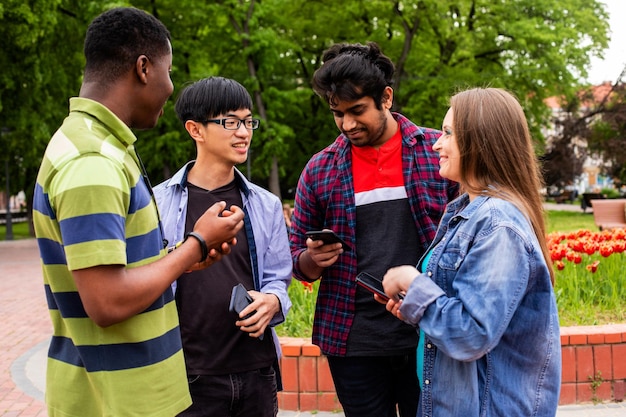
(377, 386)
(244, 394)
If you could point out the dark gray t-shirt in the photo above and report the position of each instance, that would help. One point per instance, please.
(212, 344)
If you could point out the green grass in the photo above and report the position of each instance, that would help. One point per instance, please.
(20, 231)
(569, 221)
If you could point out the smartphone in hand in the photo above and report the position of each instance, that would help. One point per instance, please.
(373, 285)
(327, 236)
(239, 299)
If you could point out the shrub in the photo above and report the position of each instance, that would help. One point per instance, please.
(299, 321)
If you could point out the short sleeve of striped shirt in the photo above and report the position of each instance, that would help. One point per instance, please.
(91, 196)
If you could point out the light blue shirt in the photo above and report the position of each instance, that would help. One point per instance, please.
(266, 231)
(488, 312)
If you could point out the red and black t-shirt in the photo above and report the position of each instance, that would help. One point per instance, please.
(386, 236)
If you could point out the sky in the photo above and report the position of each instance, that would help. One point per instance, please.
(614, 60)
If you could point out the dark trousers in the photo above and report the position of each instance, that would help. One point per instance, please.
(245, 394)
(376, 386)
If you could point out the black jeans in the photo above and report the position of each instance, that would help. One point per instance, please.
(245, 394)
(376, 386)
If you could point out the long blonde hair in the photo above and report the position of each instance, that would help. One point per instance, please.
(497, 154)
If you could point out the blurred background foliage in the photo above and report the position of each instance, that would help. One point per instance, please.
(534, 48)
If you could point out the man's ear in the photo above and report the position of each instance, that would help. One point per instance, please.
(141, 68)
(194, 130)
(387, 98)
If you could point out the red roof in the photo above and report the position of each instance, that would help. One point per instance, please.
(599, 92)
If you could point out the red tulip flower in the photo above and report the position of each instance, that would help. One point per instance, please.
(593, 267)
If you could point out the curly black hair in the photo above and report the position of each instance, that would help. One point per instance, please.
(117, 37)
(352, 71)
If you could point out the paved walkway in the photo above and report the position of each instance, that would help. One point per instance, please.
(566, 207)
(26, 329)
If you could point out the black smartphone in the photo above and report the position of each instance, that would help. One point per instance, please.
(239, 299)
(327, 236)
(373, 285)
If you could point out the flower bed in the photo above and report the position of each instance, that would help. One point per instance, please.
(590, 285)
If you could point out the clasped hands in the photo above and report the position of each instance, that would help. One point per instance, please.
(218, 226)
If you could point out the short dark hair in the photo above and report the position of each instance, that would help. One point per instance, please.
(353, 71)
(209, 97)
(117, 37)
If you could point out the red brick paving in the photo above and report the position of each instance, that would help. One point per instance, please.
(24, 321)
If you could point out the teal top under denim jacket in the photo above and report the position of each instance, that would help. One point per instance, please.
(488, 311)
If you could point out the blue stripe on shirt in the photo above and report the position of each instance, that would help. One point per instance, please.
(41, 203)
(144, 246)
(99, 226)
(115, 357)
(51, 252)
(140, 197)
(70, 305)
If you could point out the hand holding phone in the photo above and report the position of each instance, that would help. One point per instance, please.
(327, 236)
(240, 299)
(373, 285)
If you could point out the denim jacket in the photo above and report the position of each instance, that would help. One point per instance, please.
(488, 312)
(265, 228)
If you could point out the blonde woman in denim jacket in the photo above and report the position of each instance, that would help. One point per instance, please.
(482, 295)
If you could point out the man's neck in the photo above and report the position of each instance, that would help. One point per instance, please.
(210, 176)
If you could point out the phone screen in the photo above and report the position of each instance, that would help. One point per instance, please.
(373, 285)
(327, 236)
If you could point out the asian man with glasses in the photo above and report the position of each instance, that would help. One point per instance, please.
(230, 364)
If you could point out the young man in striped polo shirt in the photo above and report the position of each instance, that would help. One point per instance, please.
(116, 347)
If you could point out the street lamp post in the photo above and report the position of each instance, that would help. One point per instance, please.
(9, 223)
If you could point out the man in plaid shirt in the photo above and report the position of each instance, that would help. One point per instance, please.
(378, 187)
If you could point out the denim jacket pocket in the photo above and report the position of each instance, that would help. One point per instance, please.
(451, 259)
(448, 264)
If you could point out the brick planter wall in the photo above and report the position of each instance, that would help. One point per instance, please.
(588, 352)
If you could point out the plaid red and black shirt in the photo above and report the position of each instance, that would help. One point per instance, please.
(325, 199)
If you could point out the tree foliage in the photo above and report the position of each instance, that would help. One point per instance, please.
(591, 123)
(607, 137)
(535, 48)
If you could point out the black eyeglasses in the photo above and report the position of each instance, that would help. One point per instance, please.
(233, 123)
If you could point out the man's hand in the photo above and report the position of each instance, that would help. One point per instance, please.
(323, 255)
(215, 255)
(318, 257)
(266, 307)
(218, 225)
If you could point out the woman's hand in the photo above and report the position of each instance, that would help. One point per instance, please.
(396, 281)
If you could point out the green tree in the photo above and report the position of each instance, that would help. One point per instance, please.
(535, 48)
(607, 135)
(40, 60)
